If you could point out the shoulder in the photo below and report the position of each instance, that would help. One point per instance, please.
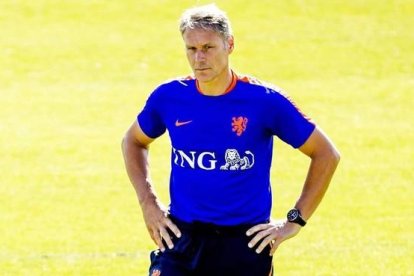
(268, 90)
(173, 86)
(268, 94)
(178, 82)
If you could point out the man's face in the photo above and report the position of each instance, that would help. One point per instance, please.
(208, 53)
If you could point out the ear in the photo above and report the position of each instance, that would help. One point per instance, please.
(230, 44)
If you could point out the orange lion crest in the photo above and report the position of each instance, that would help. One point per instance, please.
(239, 124)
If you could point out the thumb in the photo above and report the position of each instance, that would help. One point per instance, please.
(275, 246)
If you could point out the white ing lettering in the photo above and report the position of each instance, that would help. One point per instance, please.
(212, 161)
(184, 157)
(181, 158)
(206, 160)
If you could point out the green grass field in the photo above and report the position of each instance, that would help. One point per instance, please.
(73, 75)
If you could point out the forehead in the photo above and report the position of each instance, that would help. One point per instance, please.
(199, 36)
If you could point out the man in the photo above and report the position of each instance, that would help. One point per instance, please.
(221, 127)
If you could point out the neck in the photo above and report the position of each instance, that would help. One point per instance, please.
(218, 86)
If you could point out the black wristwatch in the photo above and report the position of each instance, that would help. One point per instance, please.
(295, 217)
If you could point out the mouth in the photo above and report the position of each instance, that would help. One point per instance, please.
(202, 69)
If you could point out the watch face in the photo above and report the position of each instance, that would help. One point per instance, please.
(292, 215)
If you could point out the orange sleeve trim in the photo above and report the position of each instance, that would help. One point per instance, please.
(244, 79)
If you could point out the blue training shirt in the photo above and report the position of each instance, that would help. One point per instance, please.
(222, 146)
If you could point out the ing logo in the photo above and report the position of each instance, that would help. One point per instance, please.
(239, 125)
(206, 160)
(235, 162)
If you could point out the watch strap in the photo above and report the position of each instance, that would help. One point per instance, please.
(295, 216)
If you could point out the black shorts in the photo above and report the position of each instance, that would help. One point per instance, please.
(206, 249)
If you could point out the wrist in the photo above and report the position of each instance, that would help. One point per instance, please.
(148, 199)
(294, 216)
(294, 226)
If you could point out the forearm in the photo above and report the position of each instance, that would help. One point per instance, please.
(325, 159)
(321, 170)
(135, 150)
(137, 167)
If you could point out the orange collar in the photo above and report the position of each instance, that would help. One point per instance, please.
(229, 88)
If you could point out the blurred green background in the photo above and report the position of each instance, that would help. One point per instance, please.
(74, 74)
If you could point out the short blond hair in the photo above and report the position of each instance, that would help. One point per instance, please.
(207, 17)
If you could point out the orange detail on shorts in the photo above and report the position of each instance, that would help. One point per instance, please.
(156, 272)
(239, 125)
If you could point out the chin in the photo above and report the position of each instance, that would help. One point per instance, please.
(203, 77)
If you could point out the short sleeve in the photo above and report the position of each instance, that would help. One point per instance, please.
(150, 119)
(287, 122)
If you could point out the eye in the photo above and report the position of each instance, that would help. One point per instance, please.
(207, 47)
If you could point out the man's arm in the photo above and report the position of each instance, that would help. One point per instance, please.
(324, 160)
(135, 146)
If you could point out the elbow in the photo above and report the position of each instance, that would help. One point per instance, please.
(335, 156)
(329, 154)
(130, 142)
(124, 142)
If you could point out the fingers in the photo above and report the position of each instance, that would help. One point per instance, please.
(274, 245)
(166, 237)
(257, 228)
(159, 225)
(161, 232)
(156, 237)
(271, 234)
(173, 228)
(259, 236)
(266, 242)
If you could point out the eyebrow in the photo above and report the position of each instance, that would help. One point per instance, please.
(204, 45)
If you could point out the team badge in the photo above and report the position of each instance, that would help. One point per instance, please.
(239, 125)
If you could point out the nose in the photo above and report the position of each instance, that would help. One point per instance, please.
(200, 56)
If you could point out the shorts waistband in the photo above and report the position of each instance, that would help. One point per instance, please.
(211, 228)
